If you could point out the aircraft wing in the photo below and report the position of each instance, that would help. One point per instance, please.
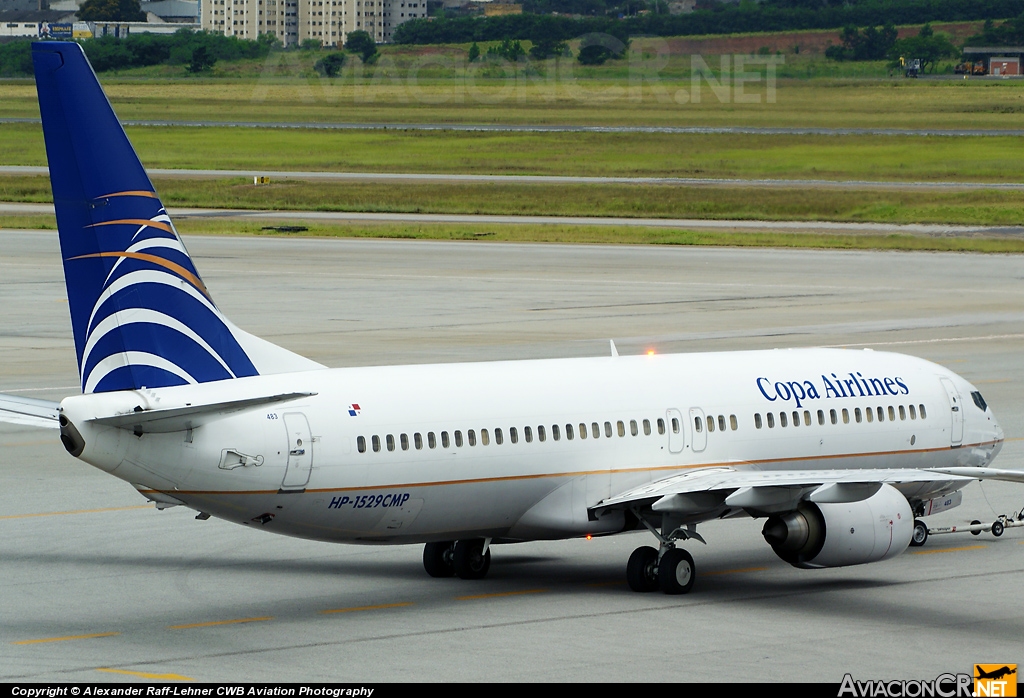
(708, 493)
(29, 411)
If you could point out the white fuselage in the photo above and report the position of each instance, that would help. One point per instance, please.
(520, 450)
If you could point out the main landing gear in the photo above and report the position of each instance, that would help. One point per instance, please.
(669, 568)
(466, 559)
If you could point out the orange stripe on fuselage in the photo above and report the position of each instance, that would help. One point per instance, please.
(578, 473)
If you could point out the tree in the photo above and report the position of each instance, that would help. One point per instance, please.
(546, 48)
(871, 44)
(927, 46)
(362, 43)
(595, 54)
(474, 52)
(111, 11)
(201, 60)
(330, 65)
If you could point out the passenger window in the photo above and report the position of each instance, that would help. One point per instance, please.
(711, 423)
(647, 427)
(757, 421)
(832, 415)
(405, 442)
(595, 429)
(661, 426)
(361, 444)
(721, 422)
(431, 440)
(870, 414)
(458, 438)
(633, 428)
(528, 434)
(675, 425)
(796, 418)
(622, 428)
(881, 414)
(698, 425)
(608, 429)
(892, 414)
(913, 412)
(583, 430)
(821, 418)
(924, 415)
(555, 436)
(472, 437)
(485, 438)
(417, 439)
(568, 432)
(513, 434)
(807, 418)
(391, 442)
(497, 437)
(857, 415)
(541, 434)
(783, 422)
(846, 416)
(376, 443)
(771, 420)
(903, 414)
(444, 440)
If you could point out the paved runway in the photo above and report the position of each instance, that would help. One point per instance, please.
(97, 586)
(615, 221)
(554, 179)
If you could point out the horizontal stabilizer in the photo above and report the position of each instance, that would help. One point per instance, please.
(189, 416)
(29, 411)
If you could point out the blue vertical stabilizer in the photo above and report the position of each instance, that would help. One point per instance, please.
(141, 315)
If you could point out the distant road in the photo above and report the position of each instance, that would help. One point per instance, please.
(556, 179)
(469, 219)
(568, 128)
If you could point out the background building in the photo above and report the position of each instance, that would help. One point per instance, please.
(294, 21)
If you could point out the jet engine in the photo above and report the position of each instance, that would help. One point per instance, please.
(837, 535)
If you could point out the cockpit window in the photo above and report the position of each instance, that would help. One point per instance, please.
(979, 400)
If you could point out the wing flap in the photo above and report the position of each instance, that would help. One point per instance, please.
(29, 411)
(190, 416)
(708, 490)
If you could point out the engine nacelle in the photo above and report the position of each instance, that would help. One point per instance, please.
(836, 535)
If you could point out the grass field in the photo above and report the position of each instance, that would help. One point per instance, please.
(631, 201)
(644, 97)
(584, 235)
(897, 158)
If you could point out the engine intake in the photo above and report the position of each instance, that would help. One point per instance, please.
(837, 535)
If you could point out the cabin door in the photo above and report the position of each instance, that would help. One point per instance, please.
(700, 436)
(300, 451)
(957, 414)
(676, 438)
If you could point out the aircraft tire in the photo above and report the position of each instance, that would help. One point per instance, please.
(975, 523)
(469, 560)
(920, 534)
(676, 572)
(640, 570)
(438, 559)
(997, 528)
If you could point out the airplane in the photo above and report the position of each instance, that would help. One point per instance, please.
(840, 451)
(995, 674)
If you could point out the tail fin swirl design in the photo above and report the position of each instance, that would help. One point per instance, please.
(140, 312)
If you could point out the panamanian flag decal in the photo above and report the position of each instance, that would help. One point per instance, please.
(353, 410)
